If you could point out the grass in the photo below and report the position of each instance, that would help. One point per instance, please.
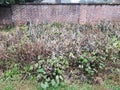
(33, 85)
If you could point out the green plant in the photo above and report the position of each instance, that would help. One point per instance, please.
(58, 25)
(49, 72)
(12, 73)
(91, 64)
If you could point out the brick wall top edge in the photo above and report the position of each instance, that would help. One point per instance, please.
(111, 4)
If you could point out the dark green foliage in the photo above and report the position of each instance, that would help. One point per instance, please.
(15, 1)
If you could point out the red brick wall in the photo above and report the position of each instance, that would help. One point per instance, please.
(63, 13)
(46, 13)
(105, 12)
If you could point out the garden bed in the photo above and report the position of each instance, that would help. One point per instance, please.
(57, 53)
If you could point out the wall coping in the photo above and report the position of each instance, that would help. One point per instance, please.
(69, 4)
(111, 4)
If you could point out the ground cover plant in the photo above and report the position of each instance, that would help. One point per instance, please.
(60, 55)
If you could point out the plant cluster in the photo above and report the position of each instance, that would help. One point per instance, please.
(46, 51)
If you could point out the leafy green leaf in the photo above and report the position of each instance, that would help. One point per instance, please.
(57, 79)
(44, 85)
(53, 82)
(40, 70)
